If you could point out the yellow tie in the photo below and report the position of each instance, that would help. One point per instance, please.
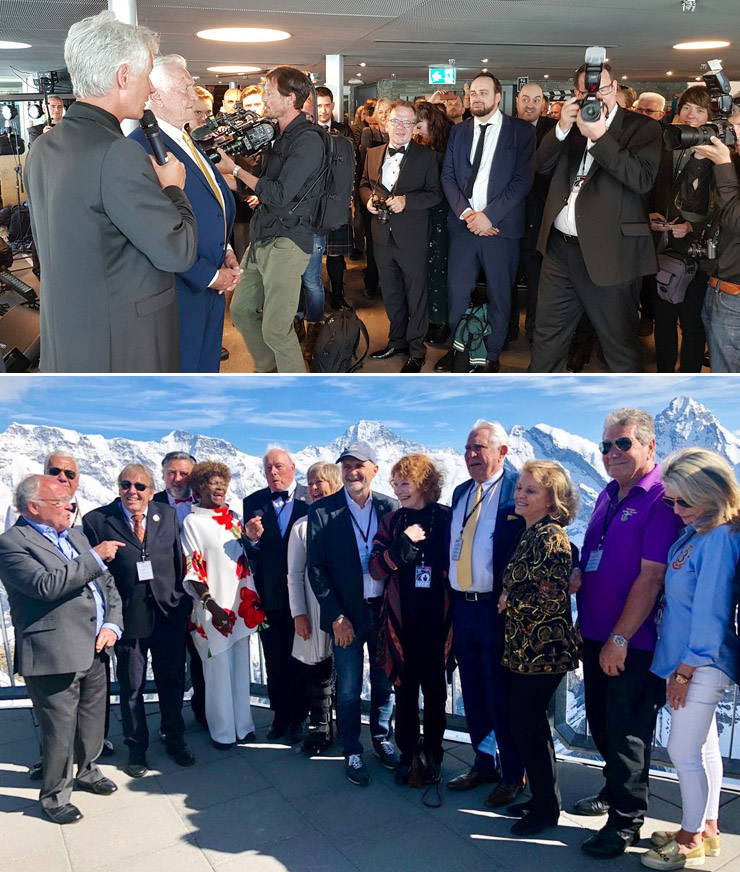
(199, 159)
(465, 563)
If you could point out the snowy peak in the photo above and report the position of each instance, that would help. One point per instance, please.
(377, 435)
(686, 422)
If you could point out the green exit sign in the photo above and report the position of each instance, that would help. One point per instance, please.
(441, 75)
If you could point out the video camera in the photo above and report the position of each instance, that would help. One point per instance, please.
(591, 104)
(723, 107)
(240, 134)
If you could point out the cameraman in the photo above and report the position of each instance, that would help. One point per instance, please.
(266, 298)
(721, 312)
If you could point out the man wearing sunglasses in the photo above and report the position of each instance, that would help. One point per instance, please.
(619, 582)
(63, 467)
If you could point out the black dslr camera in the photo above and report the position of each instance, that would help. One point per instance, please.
(240, 134)
(723, 107)
(384, 213)
(591, 104)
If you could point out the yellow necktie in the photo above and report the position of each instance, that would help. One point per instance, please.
(465, 563)
(200, 160)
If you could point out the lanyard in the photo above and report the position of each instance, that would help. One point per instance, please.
(421, 546)
(608, 518)
(467, 514)
(364, 533)
(144, 552)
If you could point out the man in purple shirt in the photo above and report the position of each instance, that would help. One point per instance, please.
(622, 566)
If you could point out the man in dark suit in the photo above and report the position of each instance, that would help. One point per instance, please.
(148, 574)
(483, 532)
(486, 175)
(595, 236)
(406, 176)
(55, 113)
(341, 528)
(110, 225)
(268, 517)
(200, 290)
(66, 613)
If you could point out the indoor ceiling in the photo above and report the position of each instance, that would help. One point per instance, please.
(404, 37)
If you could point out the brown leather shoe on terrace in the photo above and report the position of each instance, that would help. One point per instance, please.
(470, 779)
(504, 794)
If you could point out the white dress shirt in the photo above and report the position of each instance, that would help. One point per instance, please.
(479, 200)
(284, 508)
(129, 518)
(392, 167)
(482, 556)
(365, 520)
(182, 507)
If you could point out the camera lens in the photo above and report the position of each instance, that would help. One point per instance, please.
(591, 111)
(684, 136)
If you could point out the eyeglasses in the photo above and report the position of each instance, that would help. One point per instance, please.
(396, 122)
(57, 504)
(624, 443)
(642, 111)
(669, 501)
(69, 473)
(602, 91)
(126, 485)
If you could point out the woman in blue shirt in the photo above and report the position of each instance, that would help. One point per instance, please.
(697, 650)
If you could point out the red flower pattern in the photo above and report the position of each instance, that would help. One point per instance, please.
(224, 517)
(198, 565)
(250, 608)
(198, 629)
(230, 628)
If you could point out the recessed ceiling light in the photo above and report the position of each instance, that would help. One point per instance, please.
(669, 72)
(697, 79)
(6, 44)
(355, 82)
(233, 68)
(484, 60)
(363, 64)
(706, 43)
(624, 78)
(546, 76)
(243, 34)
(485, 69)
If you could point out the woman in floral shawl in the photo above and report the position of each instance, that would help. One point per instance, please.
(226, 608)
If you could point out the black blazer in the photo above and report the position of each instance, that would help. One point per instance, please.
(269, 560)
(611, 215)
(334, 567)
(165, 590)
(418, 181)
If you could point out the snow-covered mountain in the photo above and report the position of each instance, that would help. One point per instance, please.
(687, 423)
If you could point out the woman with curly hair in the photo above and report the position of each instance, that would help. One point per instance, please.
(411, 556)
(540, 642)
(226, 609)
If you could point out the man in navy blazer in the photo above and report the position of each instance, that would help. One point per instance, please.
(486, 176)
(200, 290)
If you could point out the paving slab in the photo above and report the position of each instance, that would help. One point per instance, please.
(309, 852)
(198, 787)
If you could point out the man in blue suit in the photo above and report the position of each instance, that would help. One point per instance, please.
(486, 176)
(200, 290)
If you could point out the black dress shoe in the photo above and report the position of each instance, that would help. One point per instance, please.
(36, 772)
(338, 302)
(437, 334)
(65, 814)
(472, 778)
(520, 809)
(534, 823)
(223, 746)
(370, 293)
(609, 843)
(577, 361)
(413, 364)
(388, 352)
(250, 737)
(276, 731)
(444, 364)
(103, 786)
(297, 733)
(592, 806)
(137, 765)
(180, 753)
(224, 353)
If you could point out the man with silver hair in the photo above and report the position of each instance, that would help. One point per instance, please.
(483, 532)
(110, 225)
(200, 290)
(269, 515)
(619, 583)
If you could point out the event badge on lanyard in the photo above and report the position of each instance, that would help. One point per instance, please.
(144, 570)
(594, 559)
(423, 576)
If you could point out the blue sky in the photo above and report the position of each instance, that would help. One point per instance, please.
(252, 411)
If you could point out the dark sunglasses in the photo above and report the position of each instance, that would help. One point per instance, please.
(125, 485)
(69, 473)
(624, 443)
(669, 501)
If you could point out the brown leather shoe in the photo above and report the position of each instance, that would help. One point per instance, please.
(504, 794)
(470, 779)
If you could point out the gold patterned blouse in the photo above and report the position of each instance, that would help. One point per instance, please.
(539, 632)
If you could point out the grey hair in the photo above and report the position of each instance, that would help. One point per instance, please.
(641, 420)
(26, 491)
(65, 454)
(140, 468)
(172, 456)
(653, 95)
(96, 47)
(499, 436)
(160, 73)
(279, 448)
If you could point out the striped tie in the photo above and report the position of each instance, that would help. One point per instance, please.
(465, 563)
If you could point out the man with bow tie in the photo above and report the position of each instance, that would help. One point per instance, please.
(269, 515)
(400, 184)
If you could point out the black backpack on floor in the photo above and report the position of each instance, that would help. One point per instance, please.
(336, 348)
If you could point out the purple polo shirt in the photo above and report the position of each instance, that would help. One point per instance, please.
(640, 527)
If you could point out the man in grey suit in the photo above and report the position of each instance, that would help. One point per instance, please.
(111, 226)
(66, 612)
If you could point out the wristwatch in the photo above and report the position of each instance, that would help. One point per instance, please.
(619, 641)
(339, 619)
(681, 679)
(235, 172)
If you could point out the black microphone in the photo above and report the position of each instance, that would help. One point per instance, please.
(150, 127)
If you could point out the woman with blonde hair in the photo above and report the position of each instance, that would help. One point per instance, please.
(698, 648)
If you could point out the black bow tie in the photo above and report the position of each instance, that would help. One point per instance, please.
(280, 495)
(392, 151)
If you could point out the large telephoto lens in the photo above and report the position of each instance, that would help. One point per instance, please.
(684, 136)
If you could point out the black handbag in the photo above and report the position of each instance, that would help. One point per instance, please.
(675, 273)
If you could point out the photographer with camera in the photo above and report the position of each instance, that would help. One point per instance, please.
(266, 298)
(595, 236)
(54, 114)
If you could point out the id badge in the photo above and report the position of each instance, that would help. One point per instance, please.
(423, 576)
(594, 559)
(144, 570)
(365, 561)
(456, 549)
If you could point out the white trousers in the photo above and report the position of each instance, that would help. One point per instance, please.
(693, 747)
(228, 710)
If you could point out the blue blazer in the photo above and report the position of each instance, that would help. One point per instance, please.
(512, 174)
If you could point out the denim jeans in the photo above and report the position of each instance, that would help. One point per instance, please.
(311, 306)
(721, 317)
(348, 663)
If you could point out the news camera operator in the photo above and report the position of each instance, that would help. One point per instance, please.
(266, 298)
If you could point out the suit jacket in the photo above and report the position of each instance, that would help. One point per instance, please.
(418, 181)
(334, 567)
(109, 240)
(611, 209)
(164, 591)
(270, 558)
(35, 131)
(508, 530)
(52, 609)
(534, 205)
(510, 179)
